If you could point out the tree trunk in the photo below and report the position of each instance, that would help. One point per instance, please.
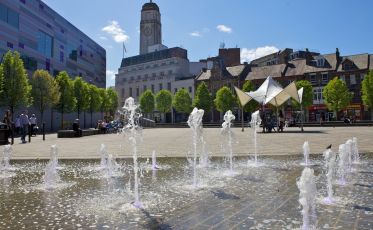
(42, 116)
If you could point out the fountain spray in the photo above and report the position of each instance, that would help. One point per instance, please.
(307, 197)
(51, 177)
(255, 123)
(355, 151)
(330, 158)
(131, 112)
(306, 153)
(227, 132)
(342, 164)
(195, 123)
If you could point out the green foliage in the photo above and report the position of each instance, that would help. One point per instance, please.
(182, 101)
(336, 95)
(16, 90)
(81, 93)
(112, 100)
(307, 98)
(94, 98)
(67, 100)
(147, 101)
(45, 91)
(163, 101)
(203, 98)
(104, 107)
(225, 100)
(252, 105)
(367, 90)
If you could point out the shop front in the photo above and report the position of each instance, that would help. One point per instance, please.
(320, 113)
(353, 112)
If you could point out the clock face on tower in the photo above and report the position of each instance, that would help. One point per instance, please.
(147, 31)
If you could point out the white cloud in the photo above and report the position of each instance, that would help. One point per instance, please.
(110, 75)
(224, 29)
(114, 29)
(247, 55)
(195, 34)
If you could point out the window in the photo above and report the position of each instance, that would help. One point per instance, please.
(162, 73)
(169, 72)
(23, 1)
(137, 92)
(144, 88)
(21, 45)
(325, 78)
(317, 95)
(152, 88)
(169, 86)
(122, 93)
(47, 65)
(313, 78)
(342, 77)
(9, 45)
(352, 79)
(175, 90)
(320, 62)
(9, 16)
(130, 92)
(160, 86)
(62, 56)
(190, 89)
(45, 44)
(362, 76)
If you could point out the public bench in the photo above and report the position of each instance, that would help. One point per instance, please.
(71, 133)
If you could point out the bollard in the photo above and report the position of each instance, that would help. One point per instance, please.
(43, 131)
(29, 133)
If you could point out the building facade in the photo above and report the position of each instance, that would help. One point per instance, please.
(319, 69)
(47, 41)
(156, 67)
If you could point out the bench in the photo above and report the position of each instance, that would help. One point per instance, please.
(72, 133)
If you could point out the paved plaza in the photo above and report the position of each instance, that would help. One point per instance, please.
(176, 142)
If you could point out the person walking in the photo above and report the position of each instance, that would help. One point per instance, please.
(33, 122)
(24, 125)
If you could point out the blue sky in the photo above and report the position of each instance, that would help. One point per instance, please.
(257, 27)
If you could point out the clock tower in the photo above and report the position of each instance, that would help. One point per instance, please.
(150, 26)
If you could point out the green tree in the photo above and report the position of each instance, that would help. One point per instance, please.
(307, 98)
(67, 100)
(224, 100)
(367, 91)
(203, 98)
(182, 101)
(104, 107)
(252, 105)
(45, 91)
(16, 90)
(113, 101)
(81, 95)
(94, 100)
(163, 101)
(147, 101)
(336, 95)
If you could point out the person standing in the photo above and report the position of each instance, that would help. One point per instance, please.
(33, 123)
(24, 125)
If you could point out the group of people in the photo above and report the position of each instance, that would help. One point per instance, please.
(21, 125)
(271, 122)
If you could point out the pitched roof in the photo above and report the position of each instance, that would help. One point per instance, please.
(204, 75)
(361, 61)
(265, 71)
(236, 70)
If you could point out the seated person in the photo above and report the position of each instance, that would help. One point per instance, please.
(76, 128)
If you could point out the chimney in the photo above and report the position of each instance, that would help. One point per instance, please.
(337, 54)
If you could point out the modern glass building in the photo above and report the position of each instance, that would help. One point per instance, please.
(48, 41)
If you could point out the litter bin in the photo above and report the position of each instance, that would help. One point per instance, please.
(3, 133)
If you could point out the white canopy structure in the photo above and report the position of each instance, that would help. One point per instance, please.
(271, 92)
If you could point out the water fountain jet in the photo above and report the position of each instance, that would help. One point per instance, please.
(306, 153)
(226, 131)
(255, 123)
(195, 123)
(330, 158)
(307, 197)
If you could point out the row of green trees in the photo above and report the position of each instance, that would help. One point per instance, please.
(44, 91)
(336, 96)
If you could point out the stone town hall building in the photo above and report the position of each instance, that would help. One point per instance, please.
(157, 67)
